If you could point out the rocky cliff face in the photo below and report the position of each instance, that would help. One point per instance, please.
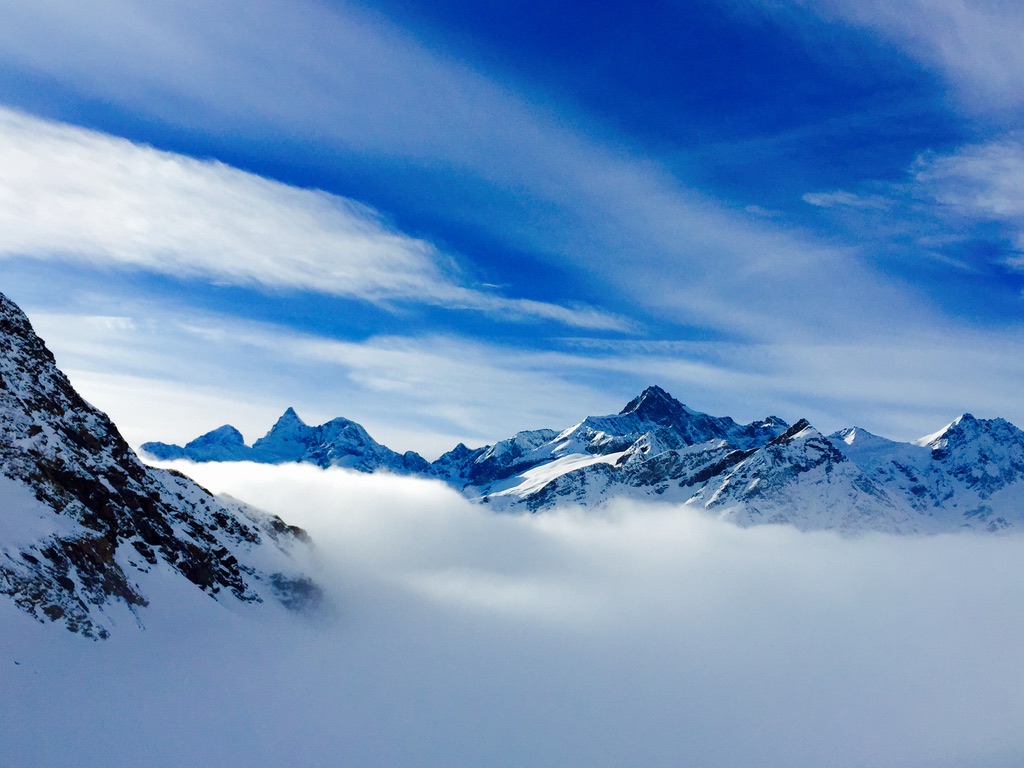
(81, 516)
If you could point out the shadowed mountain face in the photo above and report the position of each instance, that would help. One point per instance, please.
(81, 517)
(338, 443)
(968, 475)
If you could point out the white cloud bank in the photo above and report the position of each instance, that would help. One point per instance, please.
(643, 636)
(77, 195)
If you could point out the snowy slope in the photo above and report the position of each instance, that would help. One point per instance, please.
(801, 478)
(81, 518)
(968, 474)
(655, 446)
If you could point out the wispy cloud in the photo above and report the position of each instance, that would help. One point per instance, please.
(981, 182)
(974, 44)
(342, 78)
(167, 375)
(849, 199)
(964, 207)
(76, 195)
(349, 82)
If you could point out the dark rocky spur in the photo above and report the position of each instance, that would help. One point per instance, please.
(83, 518)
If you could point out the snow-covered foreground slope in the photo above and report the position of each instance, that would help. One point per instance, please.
(634, 635)
(84, 523)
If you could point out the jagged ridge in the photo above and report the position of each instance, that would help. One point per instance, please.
(338, 443)
(970, 474)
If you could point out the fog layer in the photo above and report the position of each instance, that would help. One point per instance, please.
(637, 635)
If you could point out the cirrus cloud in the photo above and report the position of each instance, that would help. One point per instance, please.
(74, 194)
(974, 44)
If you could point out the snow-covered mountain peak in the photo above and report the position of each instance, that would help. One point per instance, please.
(287, 439)
(967, 429)
(987, 455)
(289, 423)
(957, 429)
(771, 422)
(225, 439)
(857, 440)
(339, 442)
(656, 405)
(802, 430)
(870, 451)
(851, 435)
(969, 474)
(225, 435)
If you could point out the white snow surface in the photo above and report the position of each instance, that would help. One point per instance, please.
(25, 520)
(534, 479)
(928, 440)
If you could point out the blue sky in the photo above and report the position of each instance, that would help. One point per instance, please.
(449, 220)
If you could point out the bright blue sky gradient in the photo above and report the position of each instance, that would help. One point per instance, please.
(808, 207)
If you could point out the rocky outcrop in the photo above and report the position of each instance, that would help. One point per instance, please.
(81, 515)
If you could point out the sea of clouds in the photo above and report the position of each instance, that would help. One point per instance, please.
(639, 634)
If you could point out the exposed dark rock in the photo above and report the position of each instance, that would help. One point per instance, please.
(119, 515)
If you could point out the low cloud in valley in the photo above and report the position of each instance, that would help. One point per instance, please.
(636, 634)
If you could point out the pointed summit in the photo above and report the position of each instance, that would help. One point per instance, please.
(287, 440)
(656, 405)
(802, 429)
(858, 436)
(977, 441)
(958, 425)
(289, 426)
(678, 425)
(288, 420)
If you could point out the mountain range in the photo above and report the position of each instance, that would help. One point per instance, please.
(89, 533)
(968, 475)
